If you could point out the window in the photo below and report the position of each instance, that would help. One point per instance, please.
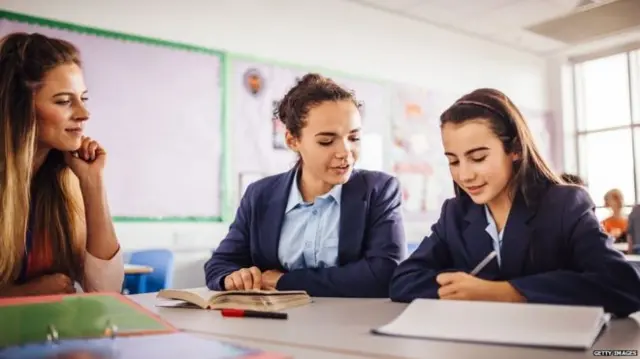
(604, 100)
(607, 162)
(634, 72)
(607, 95)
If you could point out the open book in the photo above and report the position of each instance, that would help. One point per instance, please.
(538, 325)
(204, 298)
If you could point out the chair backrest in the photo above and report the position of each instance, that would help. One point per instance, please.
(162, 262)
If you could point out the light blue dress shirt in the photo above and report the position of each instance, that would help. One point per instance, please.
(309, 236)
(492, 229)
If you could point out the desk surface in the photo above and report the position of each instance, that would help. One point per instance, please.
(293, 351)
(342, 326)
(137, 269)
(622, 247)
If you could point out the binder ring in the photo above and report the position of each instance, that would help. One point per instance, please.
(111, 330)
(52, 334)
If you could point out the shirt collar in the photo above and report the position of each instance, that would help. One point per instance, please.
(295, 197)
(492, 228)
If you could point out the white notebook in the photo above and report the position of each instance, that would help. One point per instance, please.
(540, 325)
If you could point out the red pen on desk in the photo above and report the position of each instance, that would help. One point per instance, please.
(239, 313)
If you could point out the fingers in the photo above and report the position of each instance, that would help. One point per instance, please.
(446, 278)
(62, 279)
(247, 278)
(62, 284)
(89, 149)
(257, 278)
(456, 296)
(244, 279)
(228, 283)
(83, 151)
(235, 281)
(447, 291)
(67, 284)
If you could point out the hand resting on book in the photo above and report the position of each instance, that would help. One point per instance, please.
(252, 278)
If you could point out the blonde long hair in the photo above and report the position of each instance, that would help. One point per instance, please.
(50, 195)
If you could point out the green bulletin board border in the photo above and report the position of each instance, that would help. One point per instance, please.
(225, 200)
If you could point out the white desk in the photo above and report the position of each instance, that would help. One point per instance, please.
(622, 247)
(342, 326)
(137, 269)
(294, 352)
(633, 258)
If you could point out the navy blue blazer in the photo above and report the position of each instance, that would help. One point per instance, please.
(371, 238)
(556, 254)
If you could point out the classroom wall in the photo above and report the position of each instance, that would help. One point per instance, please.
(332, 34)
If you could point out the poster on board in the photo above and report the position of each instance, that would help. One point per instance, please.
(258, 143)
(417, 155)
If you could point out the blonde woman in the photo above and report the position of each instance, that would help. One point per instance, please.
(616, 224)
(55, 225)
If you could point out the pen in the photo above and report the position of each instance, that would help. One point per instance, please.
(484, 263)
(239, 313)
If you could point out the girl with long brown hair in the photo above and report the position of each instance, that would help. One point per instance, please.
(55, 225)
(515, 232)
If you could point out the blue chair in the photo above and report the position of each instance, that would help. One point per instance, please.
(162, 262)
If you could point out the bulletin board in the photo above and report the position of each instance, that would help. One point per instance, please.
(200, 128)
(157, 108)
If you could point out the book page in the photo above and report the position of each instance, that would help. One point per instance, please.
(198, 296)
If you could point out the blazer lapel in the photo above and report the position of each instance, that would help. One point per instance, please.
(516, 239)
(353, 215)
(273, 216)
(478, 243)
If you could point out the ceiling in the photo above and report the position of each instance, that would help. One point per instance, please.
(500, 21)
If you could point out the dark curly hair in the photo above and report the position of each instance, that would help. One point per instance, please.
(311, 90)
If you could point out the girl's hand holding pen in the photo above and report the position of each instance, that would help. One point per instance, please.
(463, 286)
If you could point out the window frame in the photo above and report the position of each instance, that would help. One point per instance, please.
(633, 83)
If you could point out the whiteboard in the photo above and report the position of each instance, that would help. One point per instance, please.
(157, 112)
